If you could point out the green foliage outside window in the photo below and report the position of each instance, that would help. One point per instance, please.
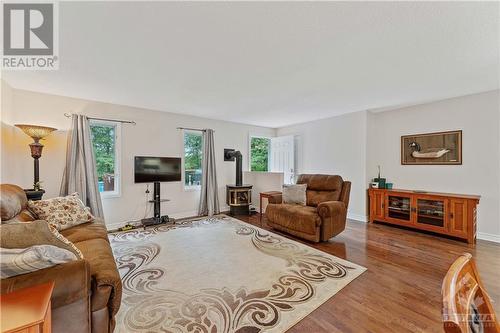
(192, 158)
(103, 140)
(259, 154)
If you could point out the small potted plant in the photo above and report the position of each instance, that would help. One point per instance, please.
(37, 186)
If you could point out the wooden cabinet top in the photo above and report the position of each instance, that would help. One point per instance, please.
(423, 193)
(25, 307)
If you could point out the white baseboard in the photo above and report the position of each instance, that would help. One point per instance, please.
(357, 217)
(488, 237)
(114, 226)
(181, 215)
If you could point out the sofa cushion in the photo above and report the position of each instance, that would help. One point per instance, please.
(314, 198)
(86, 231)
(24, 235)
(21, 261)
(294, 194)
(321, 182)
(321, 188)
(299, 218)
(104, 273)
(24, 216)
(12, 201)
(62, 212)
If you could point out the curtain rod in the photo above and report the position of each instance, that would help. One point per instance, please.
(192, 129)
(68, 115)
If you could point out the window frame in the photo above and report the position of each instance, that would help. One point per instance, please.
(118, 155)
(189, 188)
(259, 136)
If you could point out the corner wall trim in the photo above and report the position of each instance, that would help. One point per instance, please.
(488, 237)
(357, 217)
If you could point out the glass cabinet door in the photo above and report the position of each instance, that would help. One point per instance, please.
(431, 212)
(399, 207)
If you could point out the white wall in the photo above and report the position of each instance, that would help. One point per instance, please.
(478, 116)
(155, 134)
(263, 182)
(6, 131)
(335, 146)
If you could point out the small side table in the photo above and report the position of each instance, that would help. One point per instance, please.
(34, 195)
(27, 310)
(266, 195)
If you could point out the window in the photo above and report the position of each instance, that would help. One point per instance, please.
(259, 153)
(192, 159)
(275, 154)
(106, 143)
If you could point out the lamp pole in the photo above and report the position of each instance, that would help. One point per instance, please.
(36, 152)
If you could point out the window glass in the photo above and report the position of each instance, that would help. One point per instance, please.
(192, 158)
(259, 154)
(104, 141)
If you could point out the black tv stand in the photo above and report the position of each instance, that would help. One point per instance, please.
(156, 200)
(157, 218)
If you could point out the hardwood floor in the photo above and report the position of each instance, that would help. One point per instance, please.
(401, 290)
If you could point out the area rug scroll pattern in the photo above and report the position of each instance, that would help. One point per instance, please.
(151, 308)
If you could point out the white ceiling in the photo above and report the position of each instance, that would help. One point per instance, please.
(271, 64)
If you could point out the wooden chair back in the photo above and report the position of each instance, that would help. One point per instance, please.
(466, 305)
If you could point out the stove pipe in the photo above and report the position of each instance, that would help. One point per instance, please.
(239, 171)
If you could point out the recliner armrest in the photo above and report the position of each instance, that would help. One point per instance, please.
(331, 208)
(333, 215)
(71, 282)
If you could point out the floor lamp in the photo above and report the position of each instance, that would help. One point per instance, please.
(36, 133)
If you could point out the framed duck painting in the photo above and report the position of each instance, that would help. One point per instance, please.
(440, 148)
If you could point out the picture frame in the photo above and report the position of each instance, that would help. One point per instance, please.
(437, 148)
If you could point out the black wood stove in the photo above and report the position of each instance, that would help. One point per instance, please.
(239, 195)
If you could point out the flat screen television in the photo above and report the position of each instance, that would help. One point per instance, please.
(157, 169)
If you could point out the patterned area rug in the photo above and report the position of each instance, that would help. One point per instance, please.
(221, 275)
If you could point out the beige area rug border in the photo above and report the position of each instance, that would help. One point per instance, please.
(320, 298)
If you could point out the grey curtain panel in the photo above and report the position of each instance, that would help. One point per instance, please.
(209, 199)
(80, 173)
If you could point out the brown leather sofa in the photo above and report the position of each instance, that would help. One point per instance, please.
(324, 215)
(87, 292)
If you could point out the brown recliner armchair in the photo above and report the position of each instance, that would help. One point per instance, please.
(87, 292)
(324, 215)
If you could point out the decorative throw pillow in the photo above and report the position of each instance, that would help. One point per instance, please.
(62, 212)
(21, 261)
(22, 235)
(295, 194)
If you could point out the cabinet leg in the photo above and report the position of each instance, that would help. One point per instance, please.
(260, 208)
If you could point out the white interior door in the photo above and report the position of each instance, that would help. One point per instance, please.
(283, 157)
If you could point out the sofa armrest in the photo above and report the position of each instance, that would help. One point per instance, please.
(333, 215)
(275, 199)
(108, 287)
(71, 282)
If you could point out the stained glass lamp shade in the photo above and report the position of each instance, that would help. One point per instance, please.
(35, 131)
